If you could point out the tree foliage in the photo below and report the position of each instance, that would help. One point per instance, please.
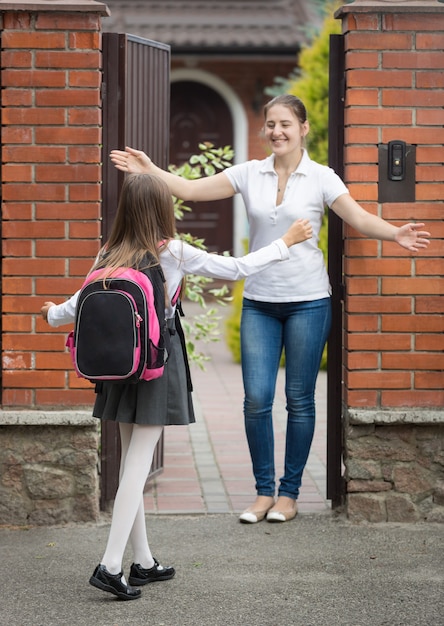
(311, 86)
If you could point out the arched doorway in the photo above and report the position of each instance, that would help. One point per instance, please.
(199, 114)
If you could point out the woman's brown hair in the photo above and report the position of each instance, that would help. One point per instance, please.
(293, 103)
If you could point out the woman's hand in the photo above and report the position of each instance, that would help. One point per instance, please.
(411, 237)
(131, 161)
(299, 231)
(45, 308)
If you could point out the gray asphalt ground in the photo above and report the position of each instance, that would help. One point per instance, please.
(317, 570)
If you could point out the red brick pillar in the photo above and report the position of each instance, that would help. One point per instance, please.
(394, 322)
(51, 188)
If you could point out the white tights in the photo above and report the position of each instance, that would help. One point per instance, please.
(128, 518)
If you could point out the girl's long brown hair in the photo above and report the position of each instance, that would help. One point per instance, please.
(144, 223)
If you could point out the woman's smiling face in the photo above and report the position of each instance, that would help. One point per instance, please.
(283, 130)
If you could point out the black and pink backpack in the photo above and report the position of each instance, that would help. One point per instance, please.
(120, 331)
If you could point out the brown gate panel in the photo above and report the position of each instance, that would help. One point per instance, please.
(136, 107)
(136, 112)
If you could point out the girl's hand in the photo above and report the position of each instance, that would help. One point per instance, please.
(131, 161)
(45, 308)
(411, 237)
(299, 231)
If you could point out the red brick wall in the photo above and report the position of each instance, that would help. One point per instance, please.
(394, 340)
(51, 134)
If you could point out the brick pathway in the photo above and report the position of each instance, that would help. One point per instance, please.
(207, 466)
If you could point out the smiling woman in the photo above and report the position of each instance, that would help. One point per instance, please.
(286, 307)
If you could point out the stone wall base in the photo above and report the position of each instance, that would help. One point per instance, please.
(394, 466)
(48, 467)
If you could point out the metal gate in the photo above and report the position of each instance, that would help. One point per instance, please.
(135, 112)
(335, 481)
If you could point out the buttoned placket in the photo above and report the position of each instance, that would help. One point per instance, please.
(287, 187)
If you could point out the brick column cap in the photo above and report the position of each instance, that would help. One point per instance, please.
(391, 6)
(56, 5)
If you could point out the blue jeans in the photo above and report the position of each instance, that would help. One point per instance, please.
(301, 328)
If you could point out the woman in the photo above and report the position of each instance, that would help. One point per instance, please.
(145, 223)
(287, 307)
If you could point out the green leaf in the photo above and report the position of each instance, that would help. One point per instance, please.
(209, 170)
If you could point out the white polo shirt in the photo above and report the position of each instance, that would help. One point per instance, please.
(310, 188)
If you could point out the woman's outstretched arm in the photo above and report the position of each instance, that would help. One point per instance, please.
(214, 187)
(409, 236)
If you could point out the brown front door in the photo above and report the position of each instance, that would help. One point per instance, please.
(199, 114)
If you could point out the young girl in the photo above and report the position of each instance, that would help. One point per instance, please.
(145, 217)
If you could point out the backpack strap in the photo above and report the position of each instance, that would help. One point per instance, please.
(155, 269)
(180, 332)
(175, 300)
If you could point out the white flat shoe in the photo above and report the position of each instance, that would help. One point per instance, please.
(248, 517)
(253, 516)
(281, 516)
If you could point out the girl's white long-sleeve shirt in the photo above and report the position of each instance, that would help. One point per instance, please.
(179, 259)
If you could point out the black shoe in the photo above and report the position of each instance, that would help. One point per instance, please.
(113, 583)
(140, 576)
